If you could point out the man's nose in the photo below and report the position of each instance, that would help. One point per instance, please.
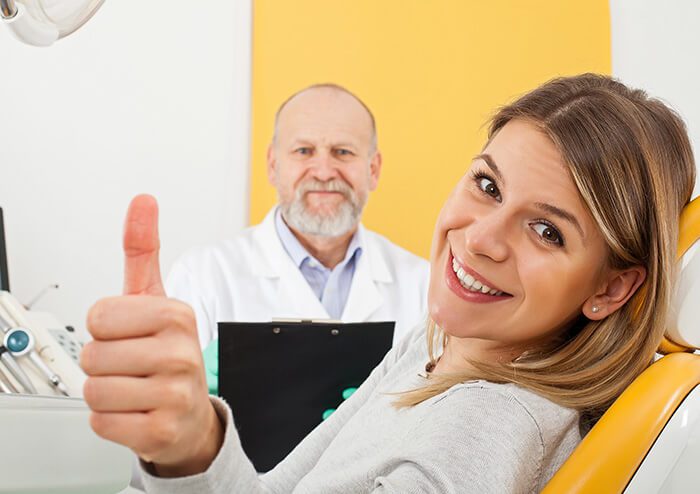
(489, 236)
(324, 167)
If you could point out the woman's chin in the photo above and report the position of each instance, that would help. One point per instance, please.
(444, 318)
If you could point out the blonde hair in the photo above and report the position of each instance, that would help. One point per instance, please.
(631, 160)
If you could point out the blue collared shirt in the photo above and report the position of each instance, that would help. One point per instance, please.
(331, 286)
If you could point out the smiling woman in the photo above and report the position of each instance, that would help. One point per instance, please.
(561, 240)
(552, 268)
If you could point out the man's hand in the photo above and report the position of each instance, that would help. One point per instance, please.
(146, 384)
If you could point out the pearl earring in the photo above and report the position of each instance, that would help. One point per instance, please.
(594, 309)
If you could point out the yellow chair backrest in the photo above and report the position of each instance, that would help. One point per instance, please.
(610, 454)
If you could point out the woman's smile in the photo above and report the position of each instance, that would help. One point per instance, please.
(470, 285)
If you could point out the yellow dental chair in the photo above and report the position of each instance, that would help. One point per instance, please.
(649, 439)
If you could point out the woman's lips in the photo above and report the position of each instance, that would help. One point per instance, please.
(474, 295)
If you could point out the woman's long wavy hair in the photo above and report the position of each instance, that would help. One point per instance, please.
(631, 160)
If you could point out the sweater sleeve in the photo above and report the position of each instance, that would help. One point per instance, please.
(474, 439)
(232, 472)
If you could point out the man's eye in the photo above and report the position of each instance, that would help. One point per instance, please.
(303, 151)
(548, 233)
(343, 152)
(488, 187)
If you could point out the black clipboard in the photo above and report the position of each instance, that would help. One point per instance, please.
(280, 377)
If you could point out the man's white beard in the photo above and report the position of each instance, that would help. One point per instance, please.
(345, 218)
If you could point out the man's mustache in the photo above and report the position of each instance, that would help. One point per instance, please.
(335, 185)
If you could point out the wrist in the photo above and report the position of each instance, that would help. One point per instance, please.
(203, 453)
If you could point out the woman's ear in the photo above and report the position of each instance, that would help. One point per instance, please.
(615, 290)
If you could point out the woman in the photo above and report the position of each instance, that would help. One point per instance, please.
(551, 272)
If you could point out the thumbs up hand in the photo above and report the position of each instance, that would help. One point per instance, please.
(146, 384)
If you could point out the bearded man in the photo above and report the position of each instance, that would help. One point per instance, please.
(310, 258)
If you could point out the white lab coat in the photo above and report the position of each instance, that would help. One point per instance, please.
(252, 278)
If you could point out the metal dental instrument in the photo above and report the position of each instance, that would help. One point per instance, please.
(16, 370)
(20, 342)
(5, 385)
(12, 366)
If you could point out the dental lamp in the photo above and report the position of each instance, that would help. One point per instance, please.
(41, 22)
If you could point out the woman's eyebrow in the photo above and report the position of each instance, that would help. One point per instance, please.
(486, 158)
(565, 215)
(548, 208)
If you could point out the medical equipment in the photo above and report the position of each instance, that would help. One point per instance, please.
(16, 371)
(4, 276)
(45, 343)
(20, 342)
(5, 385)
(7, 359)
(48, 446)
(41, 22)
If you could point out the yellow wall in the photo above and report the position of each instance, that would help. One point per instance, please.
(432, 71)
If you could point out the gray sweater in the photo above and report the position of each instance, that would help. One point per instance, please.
(475, 437)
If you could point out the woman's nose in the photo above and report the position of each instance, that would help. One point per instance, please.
(488, 236)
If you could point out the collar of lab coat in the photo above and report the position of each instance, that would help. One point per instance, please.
(277, 260)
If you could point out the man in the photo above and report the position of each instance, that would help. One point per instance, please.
(310, 257)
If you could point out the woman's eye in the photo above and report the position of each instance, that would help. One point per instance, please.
(488, 187)
(548, 233)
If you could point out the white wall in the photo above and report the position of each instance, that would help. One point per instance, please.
(656, 46)
(147, 97)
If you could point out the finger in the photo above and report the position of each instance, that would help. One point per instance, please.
(141, 247)
(116, 318)
(137, 394)
(133, 430)
(139, 357)
(121, 394)
(153, 435)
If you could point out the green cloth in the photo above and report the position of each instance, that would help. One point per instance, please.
(347, 393)
(211, 366)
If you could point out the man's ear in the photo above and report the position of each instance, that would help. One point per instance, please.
(614, 292)
(375, 169)
(272, 164)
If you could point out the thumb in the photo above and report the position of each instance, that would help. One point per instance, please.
(141, 246)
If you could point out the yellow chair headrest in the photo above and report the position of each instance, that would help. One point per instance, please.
(683, 332)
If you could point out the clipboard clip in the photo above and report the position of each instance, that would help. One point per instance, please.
(306, 321)
(334, 331)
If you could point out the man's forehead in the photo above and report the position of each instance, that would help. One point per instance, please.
(325, 108)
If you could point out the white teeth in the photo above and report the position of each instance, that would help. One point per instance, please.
(470, 283)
